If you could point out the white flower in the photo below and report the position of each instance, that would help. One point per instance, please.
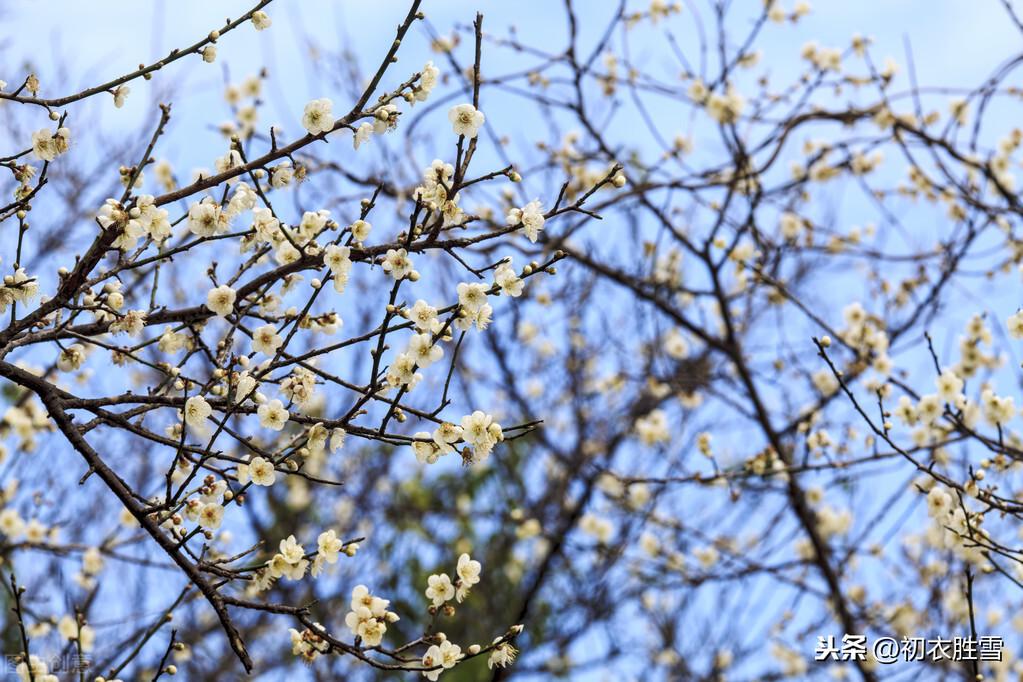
(261, 471)
(385, 118)
(426, 450)
(317, 117)
(530, 217)
(282, 174)
(508, 280)
(261, 20)
(35, 669)
(313, 223)
(468, 573)
(445, 436)
(1015, 325)
(725, 107)
(445, 655)
(272, 415)
(131, 323)
(369, 616)
(361, 598)
(71, 358)
(653, 428)
(424, 317)
(481, 432)
(675, 344)
(229, 161)
(424, 351)
(465, 119)
(440, 589)
(221, 300)
(11, 524)
(438, 173)
(397, 263)
(197, 410)
(939, 503)
(281, 566)
(997, 410)
(92, 560)
(205, 219)
(120, 94)
(949, 386)
(292, 552)
(402, 371)
(599, 528)
(211, 515)
(209, 54)
(427, 82)
(362, 133)
(337, 439)
(149, 218)
(360, 230)
(791, 225)
(472, 296)
(502, 655)
(929, 408)
(265, 340)
(47, 145)
(338, 259)
(67, 627)
(329, 546)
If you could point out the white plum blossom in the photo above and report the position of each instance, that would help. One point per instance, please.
(653, 428)
(47, 145)
(439, 589)
(337, 439)
(530, 217)
(428, 78)
(362, 134)
(502, 655)
(131, 323)
(949, 386)
(71, 358)
(508, 280)
(369, 616)
(1015, 325)
(481, 432)
(205, 218)
(317, 117)
(385, 118)
(220, 300)
(466, 119)
(397, 263)
(211, 515)
(272, 415)
(939, 503)
(261, 472)
(472, 295)
(329, 546)
(445, 436)
(261, 20)
(120, 94)
(425, 450)
(424, 351)
(468, 575)
(424, 317)
(266, 340)
(197, 410)
(445, 655)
